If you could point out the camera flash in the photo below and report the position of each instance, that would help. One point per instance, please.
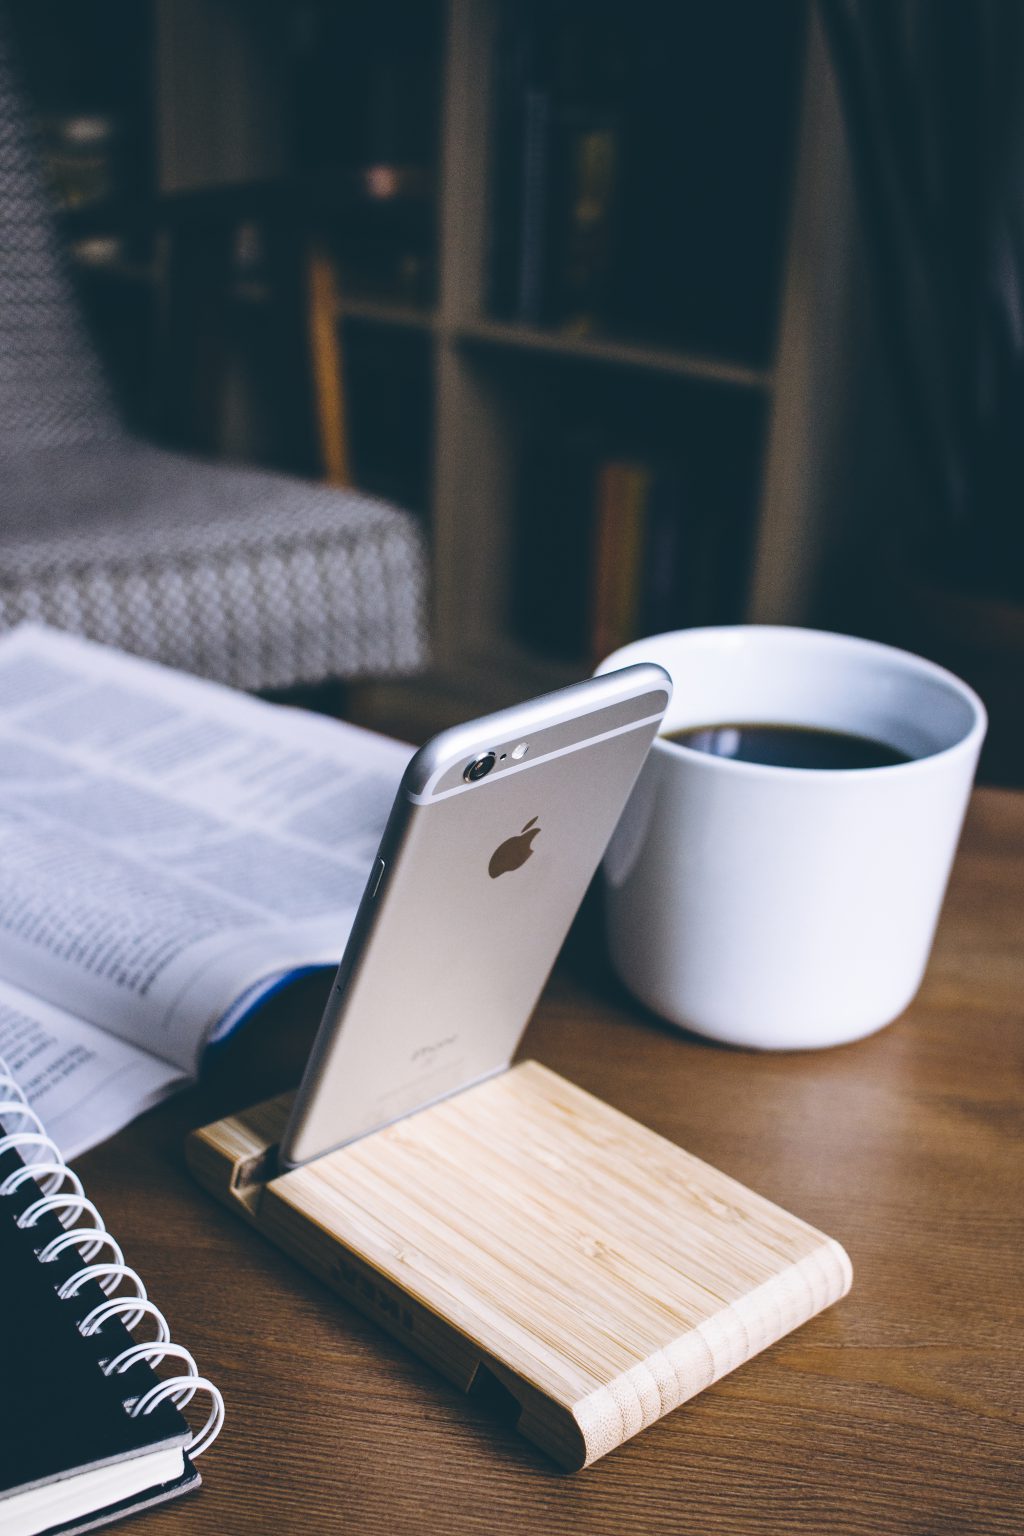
(520, 752)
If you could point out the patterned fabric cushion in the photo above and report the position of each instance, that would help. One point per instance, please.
(51, 386)
(256, 579)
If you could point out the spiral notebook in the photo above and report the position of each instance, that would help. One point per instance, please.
(88, 1431)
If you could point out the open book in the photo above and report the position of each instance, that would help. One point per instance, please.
(170, 852)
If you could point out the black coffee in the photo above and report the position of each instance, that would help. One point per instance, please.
(788, 746)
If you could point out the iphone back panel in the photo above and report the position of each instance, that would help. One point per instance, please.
(479, 874)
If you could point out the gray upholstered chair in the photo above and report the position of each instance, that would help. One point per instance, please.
(250, 577)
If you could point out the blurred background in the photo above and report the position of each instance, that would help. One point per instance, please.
(651, 315)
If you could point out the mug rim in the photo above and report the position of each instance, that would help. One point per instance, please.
(644, 649)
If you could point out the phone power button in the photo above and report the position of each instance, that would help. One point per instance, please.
(378, 870)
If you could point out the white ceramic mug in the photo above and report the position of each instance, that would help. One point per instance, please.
(778, 907)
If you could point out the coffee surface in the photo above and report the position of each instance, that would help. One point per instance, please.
(788, 746)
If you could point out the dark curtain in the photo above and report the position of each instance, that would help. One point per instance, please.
(932, 94)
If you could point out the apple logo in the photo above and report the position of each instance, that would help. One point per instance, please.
(514, 851)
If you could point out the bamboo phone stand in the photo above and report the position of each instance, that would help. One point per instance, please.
(527, 1234)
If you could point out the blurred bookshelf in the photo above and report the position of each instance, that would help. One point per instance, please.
(569, 243)
(642, 323)
(616, 197)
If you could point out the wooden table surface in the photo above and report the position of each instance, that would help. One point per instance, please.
(896, 1411)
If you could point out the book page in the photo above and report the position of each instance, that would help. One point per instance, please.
(167, 844)
(83, 1083)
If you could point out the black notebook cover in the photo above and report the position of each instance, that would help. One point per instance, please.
(61, 1415)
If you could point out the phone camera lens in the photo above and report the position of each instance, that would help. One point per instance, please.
(479, 768)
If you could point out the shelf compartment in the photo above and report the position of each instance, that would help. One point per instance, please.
(695, 449)
(625, 354)
(408, 317)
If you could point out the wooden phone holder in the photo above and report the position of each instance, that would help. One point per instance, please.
(526, 1234)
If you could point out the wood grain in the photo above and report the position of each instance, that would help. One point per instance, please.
(527, 1234)
(897, 1411)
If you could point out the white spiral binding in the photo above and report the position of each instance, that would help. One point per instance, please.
(99, 1273)
(133, 1308)
(54, 1173)
(91, 1240)
(42, 1160)
(72, 1202)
